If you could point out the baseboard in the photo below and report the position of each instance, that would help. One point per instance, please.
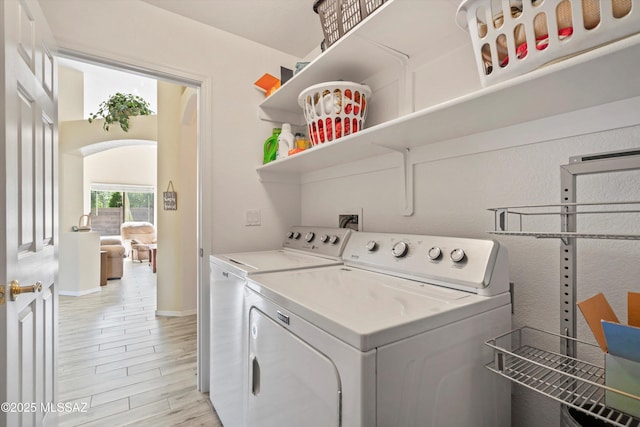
(176, 313)
(79, 293)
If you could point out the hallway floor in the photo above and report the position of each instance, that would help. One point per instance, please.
(125, 365)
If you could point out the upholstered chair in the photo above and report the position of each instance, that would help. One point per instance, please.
(115, 255)
(136, 237)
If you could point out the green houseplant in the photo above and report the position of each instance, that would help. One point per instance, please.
(118, 108)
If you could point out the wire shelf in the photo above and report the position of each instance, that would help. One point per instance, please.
(530, 209)
(567, 234)
(504, 216)
(573, 382)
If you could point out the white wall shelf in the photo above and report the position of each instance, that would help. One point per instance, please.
(597, 77)
(404, 26)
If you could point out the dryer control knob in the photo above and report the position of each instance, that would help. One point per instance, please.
(324, 238)
(371, 245)
(309, 237)
(434, 253)
(334, 239)
(296, 235)
(290, 235)
(457, 255)
(400, 249)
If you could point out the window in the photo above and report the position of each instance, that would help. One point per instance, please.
(111, 205)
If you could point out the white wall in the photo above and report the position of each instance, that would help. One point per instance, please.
(173, 259)
(133, 165)
(70, 103)
(79, 271)
(188, 228)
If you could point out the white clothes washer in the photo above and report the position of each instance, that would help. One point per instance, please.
(394, 337)
(303, 247)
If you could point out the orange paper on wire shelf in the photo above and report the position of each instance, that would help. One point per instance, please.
(633, 309)
(596, 309)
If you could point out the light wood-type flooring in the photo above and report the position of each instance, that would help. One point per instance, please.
(126, 365)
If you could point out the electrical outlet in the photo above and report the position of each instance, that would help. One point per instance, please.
(350, 218)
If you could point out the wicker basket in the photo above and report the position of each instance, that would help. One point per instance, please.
(334, 109)
(337, 17)
(515, 37)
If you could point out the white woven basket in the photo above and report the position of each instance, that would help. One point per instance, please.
(512, 37)
(334, 109)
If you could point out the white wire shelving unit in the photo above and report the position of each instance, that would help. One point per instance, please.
(547, 362)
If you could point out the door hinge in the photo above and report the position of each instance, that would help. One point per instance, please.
(1, 294)
(201, 252)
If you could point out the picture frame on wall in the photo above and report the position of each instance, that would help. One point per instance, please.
(170, 198)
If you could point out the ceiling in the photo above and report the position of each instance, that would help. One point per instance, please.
(289, 26)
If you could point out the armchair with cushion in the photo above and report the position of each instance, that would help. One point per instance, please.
(115, 255)
(136, 237)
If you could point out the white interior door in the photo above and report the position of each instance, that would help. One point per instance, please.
(28, 206)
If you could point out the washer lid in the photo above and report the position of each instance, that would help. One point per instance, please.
(367, 309)
(246, 263)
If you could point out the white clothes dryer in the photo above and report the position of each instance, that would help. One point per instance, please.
(303, 247)
(394, 337)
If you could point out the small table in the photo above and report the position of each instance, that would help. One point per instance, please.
(103, 268)
(153, 249)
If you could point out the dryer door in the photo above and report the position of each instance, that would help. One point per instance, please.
(290, 383)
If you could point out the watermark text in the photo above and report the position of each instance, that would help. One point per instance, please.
(46, 407)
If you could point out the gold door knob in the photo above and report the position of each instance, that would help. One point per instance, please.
(16, 289)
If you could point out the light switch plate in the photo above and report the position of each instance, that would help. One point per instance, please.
(252, 217)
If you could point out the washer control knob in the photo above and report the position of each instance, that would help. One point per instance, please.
(296, 235)
(290, 235)
(371, 245)
(334, 239)
(400, 249)
(309, 237)
(324, 238)
(434, 253)
(457, 255)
